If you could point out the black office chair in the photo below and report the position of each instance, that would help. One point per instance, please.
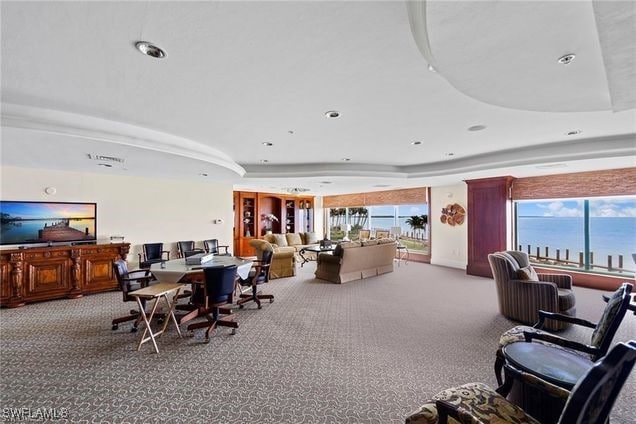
(129, 281)
(186, 249)
(259, 274)
(212, 246)
(211, 296)
(152, 253)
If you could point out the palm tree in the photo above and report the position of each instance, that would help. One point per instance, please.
(418, 222)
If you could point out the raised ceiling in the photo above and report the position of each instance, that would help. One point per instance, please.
(239, 74)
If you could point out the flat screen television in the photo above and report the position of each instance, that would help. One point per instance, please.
(47, 222)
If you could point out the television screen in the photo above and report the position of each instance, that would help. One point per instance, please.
(43, 222)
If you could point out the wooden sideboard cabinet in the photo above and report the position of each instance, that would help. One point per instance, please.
(45, 273)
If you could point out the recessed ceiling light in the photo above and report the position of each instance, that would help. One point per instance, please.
(332, 114)
(105, 165)
(290, 132)
(416, 143)
(267, 143)
(345, 159)
(477, 128)
(326, 182)
(382, 185)
(264, 161)
(203, 174)
(566, 59)
(150, 49)
(432, 68)
(573, 132)
(449, 154)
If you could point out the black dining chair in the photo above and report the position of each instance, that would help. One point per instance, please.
(209, 297)
(129, 281)
(212, 246)
(152, 253)
(186, 249)
(259, 274)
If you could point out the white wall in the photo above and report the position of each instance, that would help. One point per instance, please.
(319, 217)
(449, 244)
(141, 209)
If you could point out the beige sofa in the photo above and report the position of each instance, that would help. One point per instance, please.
(357, 260)
(283, 261)
(297, 241)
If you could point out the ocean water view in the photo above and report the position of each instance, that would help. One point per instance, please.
(19, 232)
(608, 236)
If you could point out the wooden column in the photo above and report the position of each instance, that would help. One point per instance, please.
(488, 205)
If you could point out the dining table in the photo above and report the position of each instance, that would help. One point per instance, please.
(178, 271)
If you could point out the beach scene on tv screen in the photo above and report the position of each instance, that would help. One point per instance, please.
(24, 222)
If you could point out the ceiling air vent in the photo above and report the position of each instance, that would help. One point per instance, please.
(103, 158)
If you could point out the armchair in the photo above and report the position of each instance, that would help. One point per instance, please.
(186, 248)
(590, 401)
(382, 234)
(283, 260)
(211, 296)
(364, 235)
(258, 275)
(129, 281)
(604, 330)
(212, 246)
(522, 292)
(152, 253)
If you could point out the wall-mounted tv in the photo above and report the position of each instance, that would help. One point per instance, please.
(47, 222)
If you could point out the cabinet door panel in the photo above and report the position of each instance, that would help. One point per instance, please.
(47, 278)
(98, 275)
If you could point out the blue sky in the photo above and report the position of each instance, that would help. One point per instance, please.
(602, 207)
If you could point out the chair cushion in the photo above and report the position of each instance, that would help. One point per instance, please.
(483, 403)
(293, 239)
(270, 238)
(280, 240)
(527, 273)
(566, 299)
(311, 238)
(612, 308)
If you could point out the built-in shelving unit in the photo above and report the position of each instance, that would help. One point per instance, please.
(292, 215)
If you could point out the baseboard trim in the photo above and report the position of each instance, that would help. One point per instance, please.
(449, 263)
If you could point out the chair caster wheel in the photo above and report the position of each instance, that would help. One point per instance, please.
(114, 327)
(233, 332)
(206, 341)
(260, 306)
(133, 330)
(240, 306)
(160, 321)
(271, 300)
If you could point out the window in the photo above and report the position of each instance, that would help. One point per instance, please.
(412, 219)
(587, 234)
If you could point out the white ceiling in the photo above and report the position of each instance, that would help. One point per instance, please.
(242, 73)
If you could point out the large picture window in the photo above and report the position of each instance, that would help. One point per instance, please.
(596, 235)
(412, 220)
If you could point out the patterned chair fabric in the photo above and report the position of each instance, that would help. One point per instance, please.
(590, 401)
(521, 299)
(601, 338)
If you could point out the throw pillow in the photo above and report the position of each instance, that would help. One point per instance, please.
(369, 242)
(293, 239)
(311, 238)
(527, 273)
(280, 240)
(270, 238)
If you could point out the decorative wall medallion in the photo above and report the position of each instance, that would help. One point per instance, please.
(453, 214)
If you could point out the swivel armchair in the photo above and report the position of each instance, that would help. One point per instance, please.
(211, 296)
(522, 292)
(152, 253)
